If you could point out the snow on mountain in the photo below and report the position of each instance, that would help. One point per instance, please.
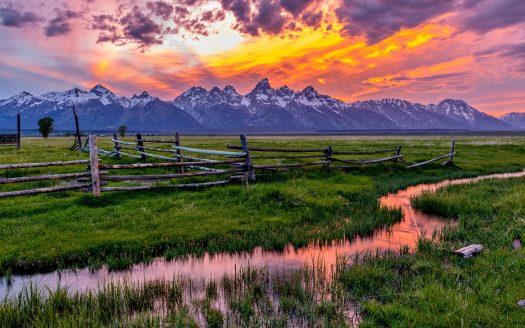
(408, 116)
(141, 100)
(22, 100)
(262, 109)
(460, 111)
(515, 119)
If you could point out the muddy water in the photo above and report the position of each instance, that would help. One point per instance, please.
(414, 224)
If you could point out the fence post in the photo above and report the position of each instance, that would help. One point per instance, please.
(140, 146)
(452, 147)
(18, 131)
(178, 154)
(398, 152)
(77, 133)
(93, 157)
(116, 146)
(248, 169)
(328, 154)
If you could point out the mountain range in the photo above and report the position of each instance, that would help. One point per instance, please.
(262, 109)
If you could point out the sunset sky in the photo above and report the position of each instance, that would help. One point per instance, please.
(419, 50)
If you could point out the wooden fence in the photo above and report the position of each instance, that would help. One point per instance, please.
(235, 166)
(239, 165)
(11, 140)
(64, 177)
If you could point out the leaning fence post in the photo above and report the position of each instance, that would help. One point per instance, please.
(140, 146)
(398, 152)
(116, 146)
(18, 131)
(93, 157)
(178, 154)
(248, 169)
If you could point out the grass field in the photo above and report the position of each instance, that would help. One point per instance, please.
(436, 288)
(72, 229)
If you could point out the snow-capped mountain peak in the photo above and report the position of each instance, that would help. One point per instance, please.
(263, 84)
(229, 90)
(100, 90)
(515, 119)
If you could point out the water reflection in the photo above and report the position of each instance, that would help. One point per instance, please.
(406, 232)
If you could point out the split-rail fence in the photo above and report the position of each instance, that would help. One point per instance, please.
(211, 167)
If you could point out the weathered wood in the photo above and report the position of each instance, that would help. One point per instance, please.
(176, 186)
(42, 190)
(328, 154)
(140, 147)
(209, 151)
(77, 130)
(42, 164)
(365, 152)
(367, 161)
(452, 153)
(279, 166)
(116, 146)
(93, 156)
(128, 155)
(284, 150)
(378, 160)
(174, 164)
(287, 157)
(398, 152)
(429, 161)
(248, 168)
(470, 250)
(123, 142)
(158, 141)
(18, 131)
(179, 155)
(44, 177)
(165, 176)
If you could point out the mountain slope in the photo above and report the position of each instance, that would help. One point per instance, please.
(97, 109)
(515, 119)
(474, 119)
(264, 109)
(408, 116)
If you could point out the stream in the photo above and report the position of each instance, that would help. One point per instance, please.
(404, 233)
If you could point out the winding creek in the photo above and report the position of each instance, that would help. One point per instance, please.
(406, 232)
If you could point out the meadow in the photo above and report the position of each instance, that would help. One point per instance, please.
(74, 229)
(432, 287)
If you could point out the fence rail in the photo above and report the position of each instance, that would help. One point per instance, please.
(228, 166)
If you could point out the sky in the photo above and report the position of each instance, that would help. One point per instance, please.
(419, 50)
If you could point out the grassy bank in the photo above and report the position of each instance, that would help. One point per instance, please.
(71, 229)
(436, 288)
(250, 298)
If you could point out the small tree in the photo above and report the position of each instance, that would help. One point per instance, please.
(122, 130)
(45, 126)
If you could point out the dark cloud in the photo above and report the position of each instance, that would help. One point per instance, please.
(482, 16)
(270, 16)
(160, 8)
(141, 29)
(378, 19)
(60, 24)
(11, 17)
(312, 19)
(295, 7)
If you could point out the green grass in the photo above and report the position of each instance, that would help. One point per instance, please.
(72, 229)
(246, 299)
(437, 288)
